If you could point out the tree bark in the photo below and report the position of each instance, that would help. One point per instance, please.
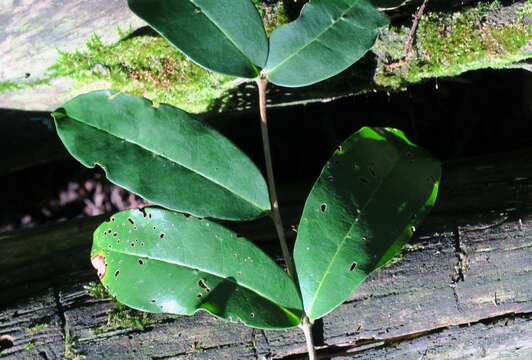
(462, 286)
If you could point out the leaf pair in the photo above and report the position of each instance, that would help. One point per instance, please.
(363, 208)
(161, 261)
(227, 36)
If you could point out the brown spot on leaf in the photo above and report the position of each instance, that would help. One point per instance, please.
(98, 262)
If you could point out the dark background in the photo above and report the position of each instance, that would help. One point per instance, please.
(478, 113)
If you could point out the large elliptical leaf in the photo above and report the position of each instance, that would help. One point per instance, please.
(327, 38)
(163, 154)
(159, 261)
(226, 36)
(364, 207)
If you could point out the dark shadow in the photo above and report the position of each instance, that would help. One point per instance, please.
(27, 138)
(142, 31)
(318, 333)
(220, 296)
(356, 78)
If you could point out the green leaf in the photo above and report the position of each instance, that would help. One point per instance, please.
(327, 38)
(364, 207)
(159, 261)
(226, 36)
(163, 154)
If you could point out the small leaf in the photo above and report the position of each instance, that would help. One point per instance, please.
(327, 38)
(365, 206)
(163, 154)
(226, 36)
(159, 261)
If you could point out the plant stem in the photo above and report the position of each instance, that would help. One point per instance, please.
(307, 329)
(413, 29)
(262, 84)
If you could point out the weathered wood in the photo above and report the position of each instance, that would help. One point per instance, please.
(33, 257)
(33, 329)
(32, 31)
(462, 289)
(500, 338)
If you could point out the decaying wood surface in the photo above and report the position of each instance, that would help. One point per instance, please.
(31, 32)
(462, 289)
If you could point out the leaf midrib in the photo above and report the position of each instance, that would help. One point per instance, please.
(342, 243)
(340, 18)
(168, 159)
(244, 285)
(253, 66)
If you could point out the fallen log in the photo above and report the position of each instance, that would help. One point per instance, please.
(35, 76)
(466, 273)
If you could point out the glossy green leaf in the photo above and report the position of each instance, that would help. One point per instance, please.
(163, 154)
(226, 36)
(160, 261)
(327, 38)
(364, 207)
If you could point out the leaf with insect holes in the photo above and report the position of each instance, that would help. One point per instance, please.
(226, 36)
(163, 154)
(327, 38)
(364, 207)
(160, 261)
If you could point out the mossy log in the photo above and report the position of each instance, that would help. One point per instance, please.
(453, 37)
(461, 289)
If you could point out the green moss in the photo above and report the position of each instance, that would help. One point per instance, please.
(35, 329)
(198, 347)
(122, 317)
(448, 44)
(273, 15)
(96, 290)
(525, 12)
(70, 350)
(149, 66)
(8, 86)
(143, 66)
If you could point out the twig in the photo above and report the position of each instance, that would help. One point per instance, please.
(413, 29)
(307, 329)
(262, 83)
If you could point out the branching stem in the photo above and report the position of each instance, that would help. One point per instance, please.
(276, 214)
(412, 34)
(262, 84)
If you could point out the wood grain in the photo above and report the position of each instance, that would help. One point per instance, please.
(461, 290)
